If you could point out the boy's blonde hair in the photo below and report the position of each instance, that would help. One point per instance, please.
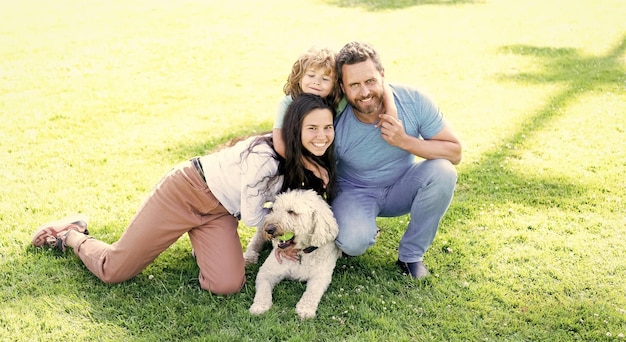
(314, 58)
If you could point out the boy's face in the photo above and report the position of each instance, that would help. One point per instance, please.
(317, 81)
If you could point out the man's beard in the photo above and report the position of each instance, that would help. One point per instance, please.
(369, 109)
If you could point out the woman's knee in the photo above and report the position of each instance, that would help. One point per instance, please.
(115, 277)
(223, 286)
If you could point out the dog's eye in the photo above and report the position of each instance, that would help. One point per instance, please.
(291, 212)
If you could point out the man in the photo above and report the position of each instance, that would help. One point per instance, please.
(377, 173)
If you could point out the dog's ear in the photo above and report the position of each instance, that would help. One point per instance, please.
(326, 228)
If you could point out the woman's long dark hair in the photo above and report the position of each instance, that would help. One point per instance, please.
(296, 176)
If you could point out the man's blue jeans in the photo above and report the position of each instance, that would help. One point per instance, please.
(425, 191)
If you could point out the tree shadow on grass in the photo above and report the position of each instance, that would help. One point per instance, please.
(381, 5)
(489, 181)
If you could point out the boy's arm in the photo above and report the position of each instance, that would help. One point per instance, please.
(279, 143)
(390, 105)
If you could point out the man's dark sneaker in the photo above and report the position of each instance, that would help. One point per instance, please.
(416, 270)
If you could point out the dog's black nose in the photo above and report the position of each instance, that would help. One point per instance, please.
(270, 229)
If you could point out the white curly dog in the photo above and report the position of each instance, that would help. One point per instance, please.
(299, 219)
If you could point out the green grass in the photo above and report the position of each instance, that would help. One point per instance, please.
(99, 99)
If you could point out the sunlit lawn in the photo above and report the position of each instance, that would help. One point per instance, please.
(99, 99)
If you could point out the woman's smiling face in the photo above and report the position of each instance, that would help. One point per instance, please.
(318, 131)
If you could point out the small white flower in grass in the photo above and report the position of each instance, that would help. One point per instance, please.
(151, 277)
(595, 315)
(620, 335)
(608, 334)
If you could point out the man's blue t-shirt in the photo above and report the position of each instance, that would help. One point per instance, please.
(364, 159)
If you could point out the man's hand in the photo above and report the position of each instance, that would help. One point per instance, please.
(391, 129)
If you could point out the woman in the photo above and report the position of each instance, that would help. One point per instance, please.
(205, 197)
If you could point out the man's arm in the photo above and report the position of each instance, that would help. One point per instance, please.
(444, 145)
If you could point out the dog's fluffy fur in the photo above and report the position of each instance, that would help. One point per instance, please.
(309, 218)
